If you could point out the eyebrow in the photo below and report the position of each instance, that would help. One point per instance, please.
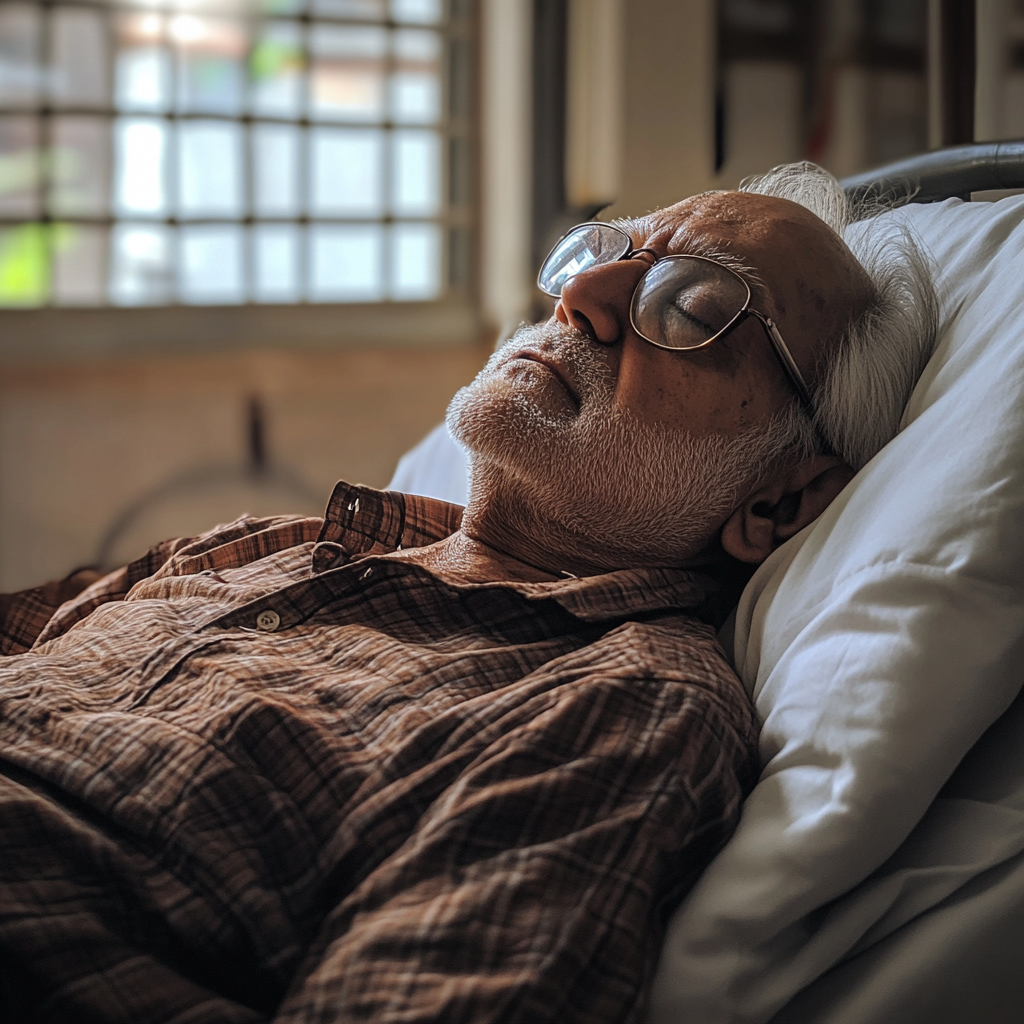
(633, 226)
(694, 247)
(638, 227)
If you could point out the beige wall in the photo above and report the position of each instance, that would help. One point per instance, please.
(79, 443)
(669, 110)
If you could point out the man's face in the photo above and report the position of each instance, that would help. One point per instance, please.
(631, 445)
(543, 426)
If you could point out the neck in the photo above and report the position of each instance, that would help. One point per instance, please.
(504, 519)
(527, 538)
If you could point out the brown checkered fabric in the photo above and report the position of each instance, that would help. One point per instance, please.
(273, 774)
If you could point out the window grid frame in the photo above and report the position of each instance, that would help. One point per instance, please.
(451, 217)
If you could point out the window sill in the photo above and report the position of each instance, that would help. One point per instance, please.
(43, 335)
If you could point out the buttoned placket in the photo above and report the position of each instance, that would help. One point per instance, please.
(270, 613)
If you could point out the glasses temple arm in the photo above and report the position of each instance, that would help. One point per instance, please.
(786, 358)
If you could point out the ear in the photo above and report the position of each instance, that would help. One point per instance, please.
(780, 507)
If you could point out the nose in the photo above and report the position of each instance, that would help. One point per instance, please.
(596, 301)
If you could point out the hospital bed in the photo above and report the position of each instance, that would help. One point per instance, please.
(877, 874)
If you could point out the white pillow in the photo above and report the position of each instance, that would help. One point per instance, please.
(879, 644)
(436, 467)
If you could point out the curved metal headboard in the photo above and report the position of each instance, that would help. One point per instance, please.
(944, 173)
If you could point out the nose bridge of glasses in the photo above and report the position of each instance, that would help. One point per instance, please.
(633, 253)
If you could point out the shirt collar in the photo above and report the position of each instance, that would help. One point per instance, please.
(361, 522)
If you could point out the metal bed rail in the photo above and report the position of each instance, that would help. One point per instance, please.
(944, 173)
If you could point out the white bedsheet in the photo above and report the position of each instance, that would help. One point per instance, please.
(961, 962)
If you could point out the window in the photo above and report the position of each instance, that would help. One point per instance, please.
(226, 152)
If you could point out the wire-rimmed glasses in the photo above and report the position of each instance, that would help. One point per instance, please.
(681, 302)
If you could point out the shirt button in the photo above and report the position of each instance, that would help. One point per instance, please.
(268, 620)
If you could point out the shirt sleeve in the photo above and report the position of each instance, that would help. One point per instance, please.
(30, 617)
(536, 883)
(24, 613)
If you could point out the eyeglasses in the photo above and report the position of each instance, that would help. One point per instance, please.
(681, 302)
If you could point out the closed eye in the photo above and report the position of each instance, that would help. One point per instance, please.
(679, 323)
(688, 315)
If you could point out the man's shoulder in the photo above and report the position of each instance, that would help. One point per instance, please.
(671, 660)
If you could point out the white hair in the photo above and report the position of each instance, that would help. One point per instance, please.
(859, 402)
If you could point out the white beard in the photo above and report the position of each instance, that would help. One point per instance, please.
(614, 489)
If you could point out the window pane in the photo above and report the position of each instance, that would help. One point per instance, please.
(346, 263)
(416, 175)
(79, 55)
(140, 265)
(282, 6)
(347, 76)
(209, 169)
(346, 172)
(416, 12)
(142, 72)
(211, 268)
(275, 250)
(20, 74)
(365, 10)
(415, 261)
(24, 265)
(210, 63)
(415, 85)
(80, 166)
(417, 46)
(275, 170)
(79, 265)
(140, 155)
(19, 167)
(275, 71)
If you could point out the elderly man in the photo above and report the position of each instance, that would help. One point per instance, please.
(413, 763)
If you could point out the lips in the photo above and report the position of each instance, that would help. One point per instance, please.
(556, 368)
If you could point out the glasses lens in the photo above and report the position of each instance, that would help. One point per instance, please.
(683, 302)
(584, 247)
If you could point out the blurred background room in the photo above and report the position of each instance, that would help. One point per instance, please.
(250, 247)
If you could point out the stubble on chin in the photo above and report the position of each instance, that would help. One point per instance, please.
(503, 416)
(604, 486)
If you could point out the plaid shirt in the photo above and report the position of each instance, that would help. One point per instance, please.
(269, 773)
